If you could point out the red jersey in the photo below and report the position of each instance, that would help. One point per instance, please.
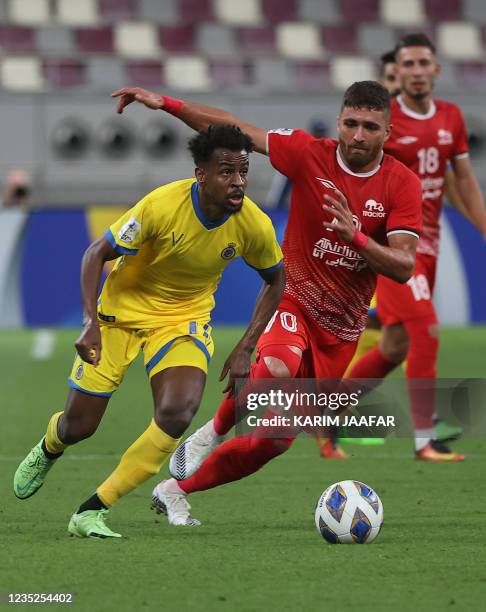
(425, 143)
(325, 275)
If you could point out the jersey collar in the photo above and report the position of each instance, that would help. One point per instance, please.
(344, 167)
(208, 224)
(410, 113)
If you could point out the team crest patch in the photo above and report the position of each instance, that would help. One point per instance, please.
(129, 231)
(229, 251)
(79, 372)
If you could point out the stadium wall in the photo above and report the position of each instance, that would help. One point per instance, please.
(41, 253)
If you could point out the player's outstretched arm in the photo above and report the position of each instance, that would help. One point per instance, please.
(396, 261)
(470, 194)
(88, 344)
(197, 116)
(238, 362)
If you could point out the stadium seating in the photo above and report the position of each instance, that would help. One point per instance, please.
(273, 45)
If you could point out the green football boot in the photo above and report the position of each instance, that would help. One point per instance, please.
(32, 472)
(445, 432)
(91, 524)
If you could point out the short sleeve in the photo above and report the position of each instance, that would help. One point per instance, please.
(406, 212)
(132, 229)
(285, 148)
(461, 148)
(263, 251)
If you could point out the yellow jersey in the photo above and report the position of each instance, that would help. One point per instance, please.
(172, 257)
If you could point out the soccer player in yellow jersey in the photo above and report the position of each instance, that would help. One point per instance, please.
(174, 245)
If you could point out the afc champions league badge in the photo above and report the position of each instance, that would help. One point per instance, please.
(79, 372)
(229, 251)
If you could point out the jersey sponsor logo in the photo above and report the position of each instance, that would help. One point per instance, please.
(432, 187)
(129, 231)
(79, 372)
(340, 255)
(282, 131)
(372, 208)
(444, 137)
(407, 140)
(229, 251)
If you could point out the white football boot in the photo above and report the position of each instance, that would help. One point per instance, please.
(172, 504)
(188, 457)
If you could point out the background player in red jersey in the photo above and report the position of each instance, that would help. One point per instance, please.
(427, 133)
(354, 212)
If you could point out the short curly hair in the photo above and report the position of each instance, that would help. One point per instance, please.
(367, 94)
(229, 137)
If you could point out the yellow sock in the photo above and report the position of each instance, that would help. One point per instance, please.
(53, 444)
(142, 460)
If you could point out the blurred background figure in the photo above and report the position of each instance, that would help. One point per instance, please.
(17, 189)
(279, 192)
(388, 73)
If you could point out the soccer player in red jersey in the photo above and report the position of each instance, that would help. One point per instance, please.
(355, 212)
(426, 134)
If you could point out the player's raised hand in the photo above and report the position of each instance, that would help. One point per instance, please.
(238, 366)
(88, 345)
(343, 219)
(128, 95)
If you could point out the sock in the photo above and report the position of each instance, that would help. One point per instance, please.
(372, 364)
(170, 486)
(225, 417)
(93, 503)
(369, 340)
(421, 364)
(233, 460)
(52, 442)
(47, 453)
(142, 460)
(423, 437)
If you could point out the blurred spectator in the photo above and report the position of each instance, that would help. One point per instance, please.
(17, 189)
(279, 192)
(388, 74)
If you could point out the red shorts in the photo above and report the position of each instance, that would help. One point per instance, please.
(413, 300)
(323, 355)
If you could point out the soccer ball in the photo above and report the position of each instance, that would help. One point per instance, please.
(349, 512)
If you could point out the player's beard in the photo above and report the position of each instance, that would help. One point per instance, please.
(357, 162)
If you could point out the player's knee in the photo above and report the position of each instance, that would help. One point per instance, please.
(276, 367)
(282, 361)
(174, 417)
(394, 343)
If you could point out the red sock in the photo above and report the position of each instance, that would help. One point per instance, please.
(233, 460)
(421, 364)
(372, 364)
(225, 417)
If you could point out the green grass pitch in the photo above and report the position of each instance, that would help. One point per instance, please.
(258, 548)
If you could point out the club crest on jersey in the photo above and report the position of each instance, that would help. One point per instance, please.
(129, 231)
(372, 208)
(229, 251)
(444, 137)
(79, 372)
